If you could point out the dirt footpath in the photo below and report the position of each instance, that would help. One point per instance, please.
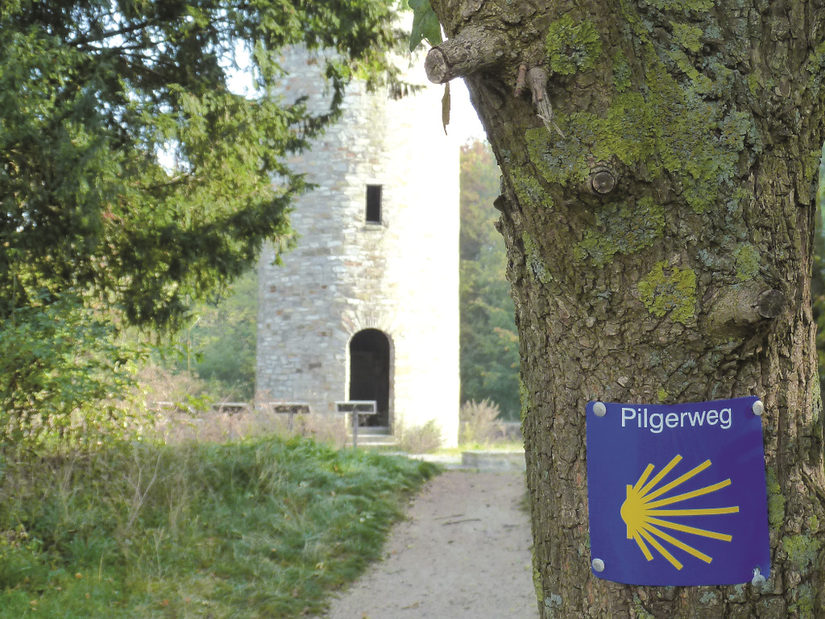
(464, 551)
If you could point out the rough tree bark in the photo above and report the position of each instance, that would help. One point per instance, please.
(658, 161)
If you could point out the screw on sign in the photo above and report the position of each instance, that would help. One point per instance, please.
(677, 493)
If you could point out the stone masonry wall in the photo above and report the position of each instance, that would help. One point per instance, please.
(399, 276)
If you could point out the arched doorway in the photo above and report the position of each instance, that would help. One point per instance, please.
(369, 372)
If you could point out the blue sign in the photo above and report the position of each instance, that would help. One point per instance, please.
(677, 493)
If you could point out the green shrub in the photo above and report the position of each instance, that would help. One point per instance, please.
(63, 374)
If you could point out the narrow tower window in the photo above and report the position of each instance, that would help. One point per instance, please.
(374, 204)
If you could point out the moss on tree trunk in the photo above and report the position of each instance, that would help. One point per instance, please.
(685, 277)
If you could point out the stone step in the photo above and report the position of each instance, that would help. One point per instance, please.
(372, 431)
(374, 436)
(372, 445)
(492, 460)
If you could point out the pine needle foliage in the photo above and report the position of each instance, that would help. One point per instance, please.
(94, 92)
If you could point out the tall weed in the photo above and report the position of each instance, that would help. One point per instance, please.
(177, 425)
(421, 439)
(480, 423)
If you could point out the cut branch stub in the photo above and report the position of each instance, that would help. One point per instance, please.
(473, 49)
(742, 306)
(602, 180)
(769, 303)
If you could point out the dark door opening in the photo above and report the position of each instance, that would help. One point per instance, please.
(369, 353)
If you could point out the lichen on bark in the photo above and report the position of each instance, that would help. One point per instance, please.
(621, 228)
(671, 129)
(537, 266)
(746, 258)
(670, 293)
(802, 551)
(529, 189)
(687, 36)
(572, 45)
(685, 6)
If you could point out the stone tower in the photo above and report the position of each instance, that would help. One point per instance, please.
(366, 306)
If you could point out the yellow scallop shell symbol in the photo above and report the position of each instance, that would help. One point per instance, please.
(645, 520)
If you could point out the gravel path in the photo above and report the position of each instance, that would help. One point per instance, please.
(464, 551)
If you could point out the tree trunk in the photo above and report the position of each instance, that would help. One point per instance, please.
(658, 163)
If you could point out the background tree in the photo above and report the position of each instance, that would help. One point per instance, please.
(219, 345)
(132, 179)
(658, 160)
(489, 344)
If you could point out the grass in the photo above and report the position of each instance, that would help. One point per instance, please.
(263, 527)
(499, 445)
